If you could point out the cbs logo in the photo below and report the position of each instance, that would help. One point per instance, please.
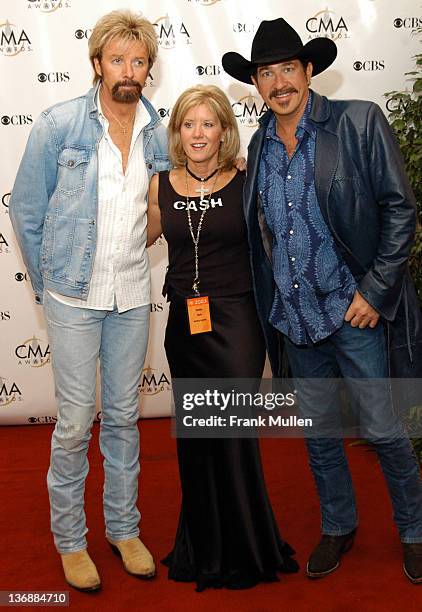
(16, 119)
(244, 27)
(164, 112)
(53, 77)
(369, 65)
(21, 276)
(80, 34)
(210, 70)
(42, 419)
(408, 22)
(156, 307)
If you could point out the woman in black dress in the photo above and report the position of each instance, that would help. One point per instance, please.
(227, 535)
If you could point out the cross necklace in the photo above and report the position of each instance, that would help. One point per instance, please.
(202, 190)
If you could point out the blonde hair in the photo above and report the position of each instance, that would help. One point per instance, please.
(219, 104)
(126, 25)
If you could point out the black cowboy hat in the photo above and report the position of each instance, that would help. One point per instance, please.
(276, 41)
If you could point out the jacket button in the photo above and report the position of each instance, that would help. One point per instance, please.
(150, 166)
(71, 163)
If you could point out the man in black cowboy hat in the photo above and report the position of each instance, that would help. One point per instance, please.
(331, 219)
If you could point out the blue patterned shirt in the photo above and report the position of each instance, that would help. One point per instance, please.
(314, 286)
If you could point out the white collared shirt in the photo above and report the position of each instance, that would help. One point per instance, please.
(121, 274)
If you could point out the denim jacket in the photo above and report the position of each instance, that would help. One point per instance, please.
(53, 207)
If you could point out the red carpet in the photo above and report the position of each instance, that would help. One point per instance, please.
(370, 577)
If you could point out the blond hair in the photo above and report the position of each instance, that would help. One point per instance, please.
(219, 104)
(126, 25)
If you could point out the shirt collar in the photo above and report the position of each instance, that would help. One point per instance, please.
(142, 116)
(304, 122)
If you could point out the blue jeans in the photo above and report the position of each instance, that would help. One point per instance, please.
(78, 338)
(355, 353)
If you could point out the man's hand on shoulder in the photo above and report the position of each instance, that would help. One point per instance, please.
(360, 313)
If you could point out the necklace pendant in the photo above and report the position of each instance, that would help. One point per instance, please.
(202, 191)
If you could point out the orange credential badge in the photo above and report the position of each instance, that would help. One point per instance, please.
(199, 314)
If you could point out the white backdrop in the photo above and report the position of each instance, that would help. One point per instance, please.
(44, 59)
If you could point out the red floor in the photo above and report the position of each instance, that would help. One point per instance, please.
(370, 577)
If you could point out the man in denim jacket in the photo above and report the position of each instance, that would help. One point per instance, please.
(78, 209)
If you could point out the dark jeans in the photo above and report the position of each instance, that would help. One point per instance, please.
(355, 353)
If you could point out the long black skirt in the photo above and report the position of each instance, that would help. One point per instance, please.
(227, 535)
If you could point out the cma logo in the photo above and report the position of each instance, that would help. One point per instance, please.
(152, 383)
(395, 103)
(16, 120)
(42, 419)
(369, 65)
(168, 33)
(13, 40)
(149, 81)
(21, 276)
(408, 22)
(248, 110)
(325, 24)
(4, 245)
(9, 392)
(80, 34)
(5, 315)
(48, 6)
(164, 112)
(210, 70)
(53, 77)
(33, 352)
(158, 307)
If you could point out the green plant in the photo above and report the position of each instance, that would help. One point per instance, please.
(406, 121)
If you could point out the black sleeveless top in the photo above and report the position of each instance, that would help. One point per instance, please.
(224, 267)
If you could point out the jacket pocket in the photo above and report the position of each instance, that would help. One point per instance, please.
(72, 167)
(67, 249)
(157, 163)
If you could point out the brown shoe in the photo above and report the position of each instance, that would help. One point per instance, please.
(137, 559)
(326, 556)
(412, 562)
(80, 571)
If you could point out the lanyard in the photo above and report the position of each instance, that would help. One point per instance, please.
(195, 239)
